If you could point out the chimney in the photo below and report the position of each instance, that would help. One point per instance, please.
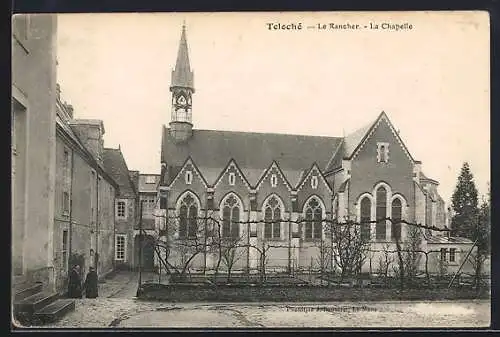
(90, 132)
(134, 176)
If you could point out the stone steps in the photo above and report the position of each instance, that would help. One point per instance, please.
(32, 305)
(27, 291)
(35, 302)
(55, 310)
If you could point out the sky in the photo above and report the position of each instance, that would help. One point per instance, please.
(431, 80)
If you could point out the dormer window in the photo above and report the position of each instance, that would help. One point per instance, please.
(232, 178)
(382, 152)
(314, 182)
(274, 180)
(188, 177)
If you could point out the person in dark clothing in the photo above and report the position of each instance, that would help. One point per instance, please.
(91, 284)
(75, 283)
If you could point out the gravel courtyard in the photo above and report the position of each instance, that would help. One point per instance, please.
(117, 308)
(129, 313)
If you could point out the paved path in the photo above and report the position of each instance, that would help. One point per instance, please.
(124, 284)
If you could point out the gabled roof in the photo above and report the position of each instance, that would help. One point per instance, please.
(232, 163)
(252, 151)
(275, 165)
(189, 161)
(115, 165)
(306, 175)
(355, 140)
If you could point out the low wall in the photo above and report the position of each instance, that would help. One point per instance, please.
(291, 293)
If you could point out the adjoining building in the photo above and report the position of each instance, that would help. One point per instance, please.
(33, 157)
(125, 207)
(62, 197)
(84, 219)
(148, 190)
(293, 182)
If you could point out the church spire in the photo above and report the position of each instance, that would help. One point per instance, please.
(182, 89)
(182, 76)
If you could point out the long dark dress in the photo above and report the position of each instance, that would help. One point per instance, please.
(75, 285)
(91, 285)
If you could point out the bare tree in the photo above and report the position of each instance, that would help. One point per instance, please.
(384, 263)
(349, 246)
(477, 259)
(188, 238)
(325, 256)
(412, 254)
(232, 253)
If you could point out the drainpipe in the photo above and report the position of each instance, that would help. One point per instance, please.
(112, 196)
(141, 236)
(248, 240)
(96, 254)
(70, 231)
(206, 234)
(290, 242)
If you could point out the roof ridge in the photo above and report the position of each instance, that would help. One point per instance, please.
(265, 133)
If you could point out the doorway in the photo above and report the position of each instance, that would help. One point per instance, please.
(148, 251)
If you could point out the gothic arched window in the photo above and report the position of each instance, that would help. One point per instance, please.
(188, 213)
(231, 217)
(272, 217)
(396, 217)
(314, 214)
(381, 213)
(366, 210)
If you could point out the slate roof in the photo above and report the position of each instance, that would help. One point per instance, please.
(115, 165)
(349, 145)
(352, 140)
(253, 152)
(447, 240)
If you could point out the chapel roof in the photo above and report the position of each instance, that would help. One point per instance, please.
(352, 142)
(253, 152)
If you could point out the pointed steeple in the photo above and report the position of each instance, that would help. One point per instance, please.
(182, 76)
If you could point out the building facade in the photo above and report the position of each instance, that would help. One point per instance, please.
(279, 190)
(33, 157)
(125, 208)
(144, 243)
(84, 197)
